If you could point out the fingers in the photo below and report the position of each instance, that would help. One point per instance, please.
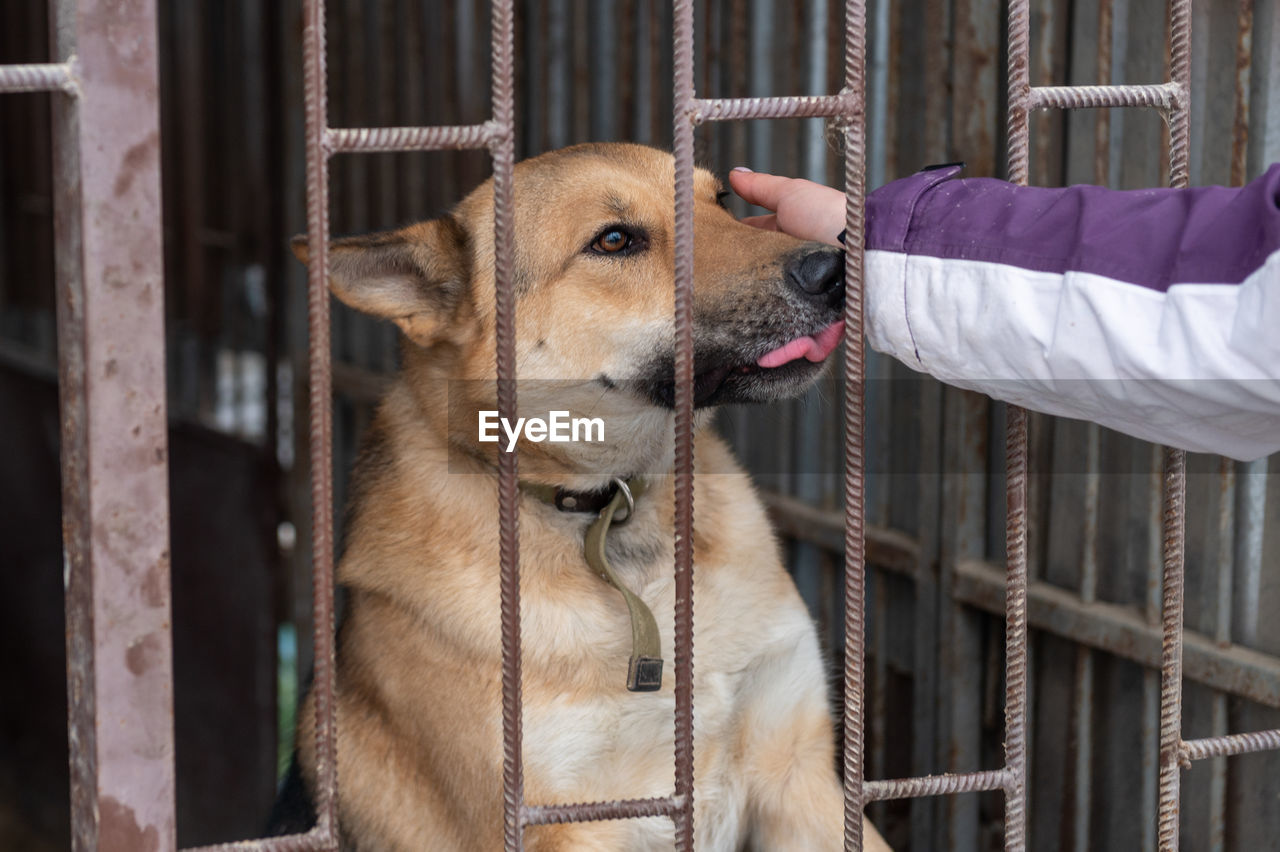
(759, 188)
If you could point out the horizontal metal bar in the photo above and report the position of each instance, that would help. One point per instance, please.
(1232, 744)
(596, 811)
(368, 140)
(45, 77)
(1160, 95)
(798, 106)
(824, 528)
(937, 785)
(1121, 631)
(315, 840)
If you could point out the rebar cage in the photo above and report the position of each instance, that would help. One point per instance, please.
(113, 419)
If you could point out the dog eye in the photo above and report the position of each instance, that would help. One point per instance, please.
(616, 240)
(721, 196)
(612, 241)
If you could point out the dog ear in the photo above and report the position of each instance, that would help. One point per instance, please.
(414, 277)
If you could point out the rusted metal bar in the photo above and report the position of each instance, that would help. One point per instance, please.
(1231, 744)
(1174, 519)
(321, 418)
(1160, 96)
(1119, 630)
(1015, 701)
(1175, 473)
(314, 840)
(791, 106)
(1154, 570)
(682, 148)
(1102, 131)
(853, 123)
(502, 147)
(1015, 706)
(115, 475)
(937, 785)
(1244, 62)
(44, 77)
(369, 140)
(591, 811)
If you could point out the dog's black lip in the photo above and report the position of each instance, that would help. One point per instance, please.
(718, 368)
(711, 382)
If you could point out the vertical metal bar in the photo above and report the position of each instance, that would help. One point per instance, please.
(1175, 486)
(1102, 130)
(814, 144)
(1015, 710)
(320, 391)
(854, 121)
(1251, 516)
(1174, 496)
(763, 72)
(1223, 576)
(1150, 808)
(1082, 712)
(878, 96)
(115, 486)
(682, 146)
(503, 150)
(1240, 126)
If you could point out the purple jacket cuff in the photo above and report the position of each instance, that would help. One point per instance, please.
(1153, 237)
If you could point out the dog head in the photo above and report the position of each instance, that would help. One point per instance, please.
(594, 281)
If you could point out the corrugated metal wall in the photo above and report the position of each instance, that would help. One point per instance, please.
(593, 71)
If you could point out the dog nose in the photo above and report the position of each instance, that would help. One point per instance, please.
(818, 273)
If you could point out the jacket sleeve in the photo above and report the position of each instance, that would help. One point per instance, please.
(1153, 312)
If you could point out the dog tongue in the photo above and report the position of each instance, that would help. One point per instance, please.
(813, 348)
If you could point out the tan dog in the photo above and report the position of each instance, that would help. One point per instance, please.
(419, 719)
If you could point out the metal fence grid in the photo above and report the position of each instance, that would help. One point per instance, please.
(113, 412)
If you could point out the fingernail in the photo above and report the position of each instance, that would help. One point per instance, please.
(741, 169)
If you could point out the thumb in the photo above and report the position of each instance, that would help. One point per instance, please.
(759, 188)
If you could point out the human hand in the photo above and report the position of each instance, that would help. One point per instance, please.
(801, 208)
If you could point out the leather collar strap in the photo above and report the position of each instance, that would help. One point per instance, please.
(644, 669)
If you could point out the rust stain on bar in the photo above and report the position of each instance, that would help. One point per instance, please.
(682, 149)
(1240, 125)
(110, 310)
(321, 415)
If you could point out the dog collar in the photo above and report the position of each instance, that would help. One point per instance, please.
(591, 502)
(644, 669)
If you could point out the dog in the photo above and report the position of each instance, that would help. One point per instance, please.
(419, 656)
